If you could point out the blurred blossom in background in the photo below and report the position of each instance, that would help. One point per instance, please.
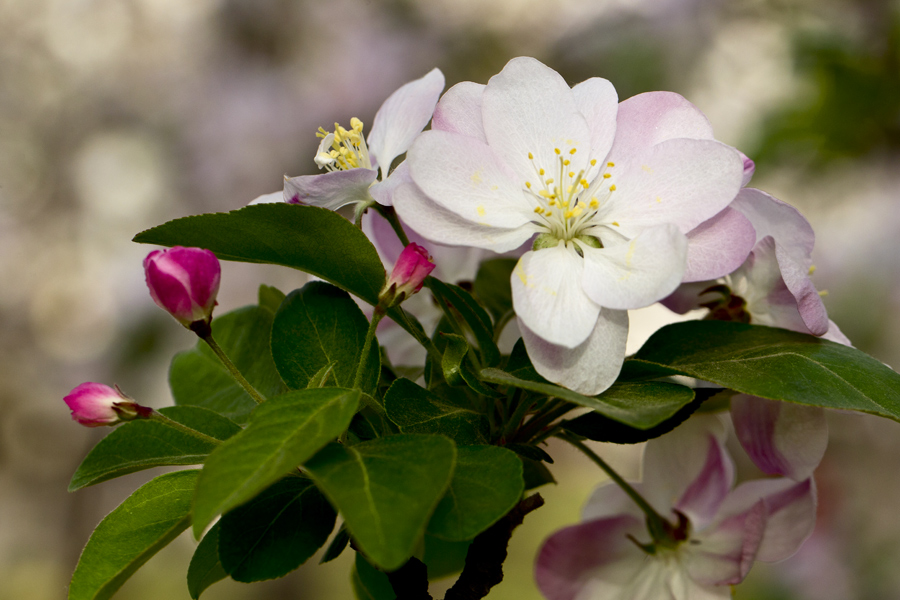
(117, 115)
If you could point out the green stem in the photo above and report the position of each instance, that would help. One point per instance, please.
(542, 419)
(656, 522)
(367, 347)
(390, 214)
(257, 397)
(156, 416)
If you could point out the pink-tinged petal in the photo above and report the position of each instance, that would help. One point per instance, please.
(834, 334)
(438, 224)
(609, 500)
(809, 302)
(184, 282)
(92, 404)
(459, 111)
(269, 198)
(770, 216)
(548, 297)
(684, 460)
(402, 117)
(648, 119)
(589, 368)
(169, 287)
(383, 191)
(638, 272)
(749, 169)
(718, 246)
(686, 297)
(571, 558)
(468, 178)
(723, 554)
(791, 510)
(330, 190)
(413, 266)
(680, 181)
(597, 100)
(529, 107)
(781, 438)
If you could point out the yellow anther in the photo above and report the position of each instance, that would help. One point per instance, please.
(548, 213)
(616, 223)
(544, 194)
(552, 201)
(573, 150)
(538, 209)
(557, 150)
(612, 188)
(812, 269)
(549, 181)
(610, 164)
(568, 214)
(571, 173)
(530, 156)
(528, 184)
(823, 293)
(606, 176)
(541, 172)
(594, 204)
(356, 124)
(566, 162)
(584, 183)
(593, 161)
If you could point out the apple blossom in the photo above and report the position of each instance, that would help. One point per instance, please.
(358, 168)
(712, 539)
(184, 282)
(96, 405)
(608, 192)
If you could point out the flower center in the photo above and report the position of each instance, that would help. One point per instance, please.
(343, 149)
(566, 205)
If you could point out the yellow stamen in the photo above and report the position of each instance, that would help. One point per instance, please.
(612, 188)
(593, 161)
(528, 184)
(610, 164)
(594, 204)
(566, 162)
(556, 150)
(812, 269)
(530, 156)
(606, 176)
(572, 151)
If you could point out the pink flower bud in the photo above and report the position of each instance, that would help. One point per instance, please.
(409, 273)
(184, 281)
(95, 405)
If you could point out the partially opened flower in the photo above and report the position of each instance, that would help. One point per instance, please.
(607, 191)
(96, 404)
(715, 533)
(358, 168)
(408, 275)
(184, 282)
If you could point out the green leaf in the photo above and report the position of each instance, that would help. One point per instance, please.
(142, 444)
(443, 557)
(205, 568)
(312, 239)
(276, 532)
(416, 410)
(776, 364)
(132, 533)
(337, 546)
(318, 325)
(386, 489)
(369, 583)
(492, 285)
(457, 370)
(198, 378)
(639, 404)
(270, 297)
(282, 434)
(486, 484)
(475, 317)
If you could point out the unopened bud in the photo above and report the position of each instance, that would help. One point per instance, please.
(95, 405)
(184, 282)
(413, 266)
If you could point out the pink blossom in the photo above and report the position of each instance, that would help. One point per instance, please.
(717, 532)
(95, 405)
(184, 282)
(413, 266)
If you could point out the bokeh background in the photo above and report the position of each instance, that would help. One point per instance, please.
(117, 115)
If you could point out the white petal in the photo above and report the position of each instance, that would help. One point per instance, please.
(468, 178)
(608, 500)
(637, 273)
(330, 190)
(597, 100)
(680, 181)
(459, 111)
(402, 117)
(548, 296)
(383, 191)
(529, 107)
(434, 222)
(648, 119)
(589, 368)
(718, 246)
(723, 554)
(781, 438)
(269, 198)
(770, 216)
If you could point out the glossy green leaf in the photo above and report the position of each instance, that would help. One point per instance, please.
(486, 484)
(337, 546)
(308, 238)
(276, 532)
(317, 325)
(282, 434)
(205, 568)
(270, 297)
(416, 410)
(639, 404)
(776, 364)
(369, 583)
(132, 533)
(457, 369)
(386, 490)
(443, 557)
(472, 313)
(198, 378)
(492, 285)
(143, 444)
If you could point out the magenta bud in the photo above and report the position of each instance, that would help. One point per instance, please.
(95, 405)
(184, 282)
(413, 266)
